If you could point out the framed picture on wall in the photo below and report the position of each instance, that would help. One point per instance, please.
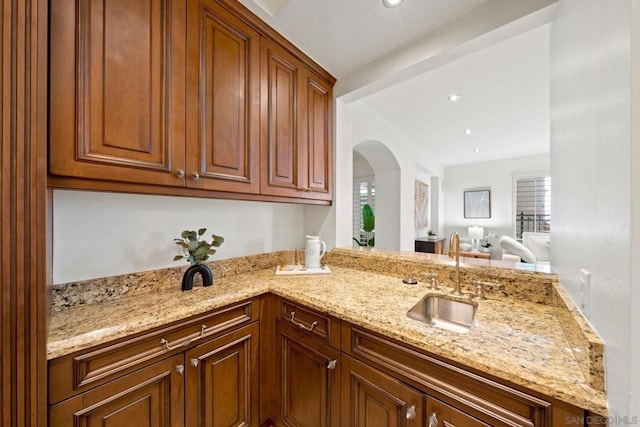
(421, 212)
(477, 204)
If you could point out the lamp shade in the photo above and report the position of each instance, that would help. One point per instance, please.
(476, 233)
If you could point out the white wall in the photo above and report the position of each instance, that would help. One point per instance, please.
(591, 171)
(342, 194)
(361, 167)
(498, 177)
(357, 123)
(426, 176)
(635, 249)
(105, 234)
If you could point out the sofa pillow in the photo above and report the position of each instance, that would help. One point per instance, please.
(465, 246)
(512, 246)
(540, 247)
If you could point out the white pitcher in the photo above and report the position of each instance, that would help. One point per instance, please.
(314, 251)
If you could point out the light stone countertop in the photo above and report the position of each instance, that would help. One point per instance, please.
(517, 341)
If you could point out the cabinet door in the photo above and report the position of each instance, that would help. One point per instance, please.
(374, 399)
(439, 414)
(116, 100)
(223, 98)
(282, 153)
(317, 118)
(151, 397)
(308, 383)
(222, 387)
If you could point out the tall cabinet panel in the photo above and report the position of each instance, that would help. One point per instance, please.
(223, 100)
(222, 387)
(117, 90)
(282, 154)
(308, 380)
(318, 119)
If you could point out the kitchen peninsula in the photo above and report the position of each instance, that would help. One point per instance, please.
(516, 366)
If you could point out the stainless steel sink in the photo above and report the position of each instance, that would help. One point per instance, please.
(444, 313)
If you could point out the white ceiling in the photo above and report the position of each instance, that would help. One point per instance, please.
(343, 35)
(504, 88)
(505, 102)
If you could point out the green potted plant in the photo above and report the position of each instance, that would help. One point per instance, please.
(368, 223)
(196, 252)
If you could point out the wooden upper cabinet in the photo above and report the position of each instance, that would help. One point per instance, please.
(117, 79)
(282, 154)
(318, 136)
(185, 93)
(223, 100)
(296, 135)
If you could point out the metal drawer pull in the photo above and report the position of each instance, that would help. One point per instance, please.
(446, 424)
(302, 325)
(180, 369)
(167, 347)
(411, 412)
(194, 363)
(433, 420)
(332, 364)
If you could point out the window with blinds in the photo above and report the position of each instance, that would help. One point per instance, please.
(532, 205)
(364, 191)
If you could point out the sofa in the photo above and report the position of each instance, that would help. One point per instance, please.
(534, 249)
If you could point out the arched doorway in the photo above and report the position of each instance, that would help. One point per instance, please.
(386, 175)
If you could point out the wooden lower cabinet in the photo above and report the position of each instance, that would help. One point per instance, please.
(307, 379)
(153, 397)
(373, 399)
(295, 367)
(214, 384)
(441, 414)
(454, 396)
(222, 385)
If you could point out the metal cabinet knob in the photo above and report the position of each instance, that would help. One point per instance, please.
(433, 420)
(179, 173)
(194, 363)
(195, 176)
(411, 412)
(180, 369)
(332, 364)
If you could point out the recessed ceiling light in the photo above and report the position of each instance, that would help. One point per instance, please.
(454, 97)
(467, 131)
(392, 3)
(477, 150)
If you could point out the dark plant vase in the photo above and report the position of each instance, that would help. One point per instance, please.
(205, 272)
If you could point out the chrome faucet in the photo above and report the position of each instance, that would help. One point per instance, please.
(454, 250)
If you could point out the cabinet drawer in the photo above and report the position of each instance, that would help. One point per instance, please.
(482, 398)
(314, 322)
(152, 396)
(81, 371)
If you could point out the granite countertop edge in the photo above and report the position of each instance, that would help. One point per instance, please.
(500, 344)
